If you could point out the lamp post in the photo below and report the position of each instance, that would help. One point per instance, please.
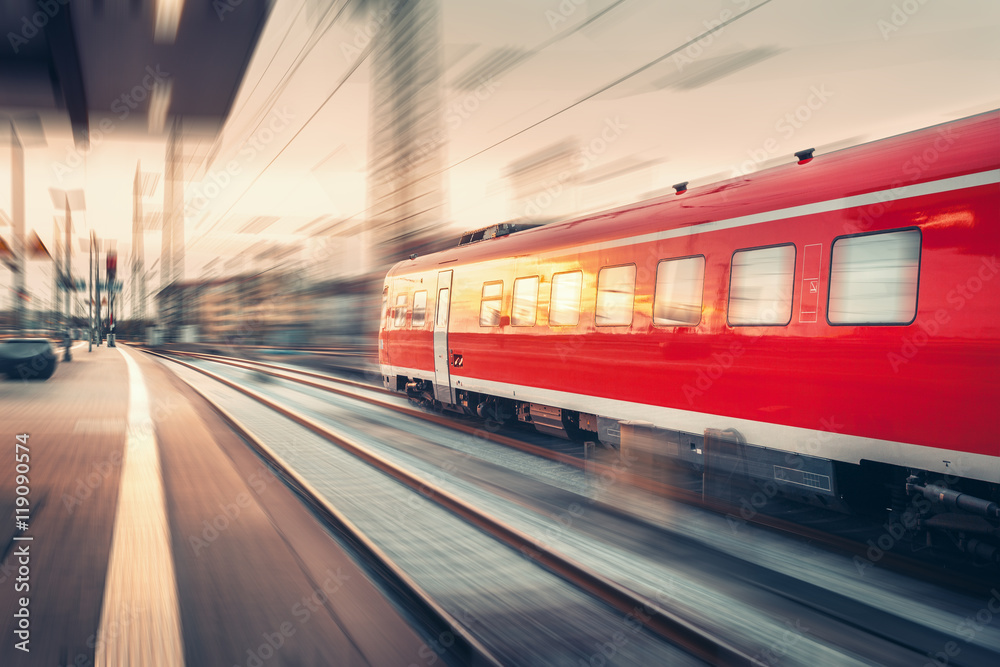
(68, 282)
(111, 272)
(90, 294)
(95, 289)
(70, 200)
(25, 132)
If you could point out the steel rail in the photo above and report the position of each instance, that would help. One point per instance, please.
(468, 649)
(236, 361)
(697, 641)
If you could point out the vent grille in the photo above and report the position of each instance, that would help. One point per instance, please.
(487, 233)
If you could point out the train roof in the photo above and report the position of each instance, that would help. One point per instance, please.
(956, 148)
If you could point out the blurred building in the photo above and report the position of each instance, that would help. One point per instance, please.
(269, 308)
(343, 310)
(172, 232)
(407, 137)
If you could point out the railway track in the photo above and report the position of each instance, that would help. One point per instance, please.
(810, 602)
(696, 642)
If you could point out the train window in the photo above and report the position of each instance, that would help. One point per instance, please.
(442, 307)
(525, 302)
(615, 295)
(489, 309)
(677, 300)
(760, 288)
(564, 302)
(400, 320)
(385, 305)
(873, 278)
(419, 308)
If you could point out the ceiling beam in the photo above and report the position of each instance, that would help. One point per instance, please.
(66, 62)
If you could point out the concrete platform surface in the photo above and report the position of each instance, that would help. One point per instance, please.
(156, 536)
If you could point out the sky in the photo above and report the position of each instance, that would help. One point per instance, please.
(635, 97)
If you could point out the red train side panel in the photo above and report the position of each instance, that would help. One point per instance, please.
(917, 395)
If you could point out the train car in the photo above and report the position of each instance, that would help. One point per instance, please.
(837, 315)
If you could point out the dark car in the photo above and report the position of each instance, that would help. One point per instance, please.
(27, 358)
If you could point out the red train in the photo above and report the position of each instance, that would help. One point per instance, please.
(840, 314)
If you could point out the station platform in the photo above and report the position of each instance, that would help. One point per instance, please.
(157, 537)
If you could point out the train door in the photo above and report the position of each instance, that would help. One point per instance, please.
(383, 329)
(442, 375)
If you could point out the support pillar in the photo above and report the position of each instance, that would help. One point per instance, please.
(138, 266)
(17, 223)
(68, 283)
(407, 137)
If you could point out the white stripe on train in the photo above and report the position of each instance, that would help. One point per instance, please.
(878, 197)
(823, 441)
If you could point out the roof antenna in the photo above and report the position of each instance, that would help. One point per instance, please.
(681, 188)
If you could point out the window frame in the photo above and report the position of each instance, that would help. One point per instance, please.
(829, 282)
(395, 320)
(437, 309)
(597, 293)
(482, 300)
(513, 300)
(579, 300)
(413, 310)
(701, 312)
(791, 297)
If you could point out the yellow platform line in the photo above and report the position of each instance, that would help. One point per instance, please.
(140, 618)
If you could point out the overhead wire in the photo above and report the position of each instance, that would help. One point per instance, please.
(272, 98)
(300, 58)
(586, 97)
(261, 114)
(604, 88)
(217, 144)
(361, 58)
